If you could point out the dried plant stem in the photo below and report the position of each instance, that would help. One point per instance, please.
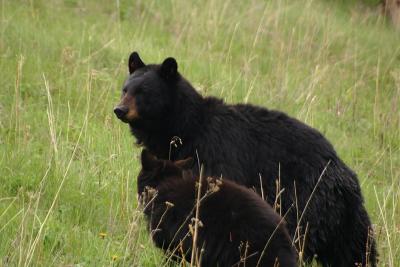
(32, 248)
(309, 199)
(196, 222)
(17, 95)
(272, 235)
(208, 193)
(382, 211)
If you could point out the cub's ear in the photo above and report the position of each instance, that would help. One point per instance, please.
(149, 161)
(135, 62)
(184, 164)
(169, 69)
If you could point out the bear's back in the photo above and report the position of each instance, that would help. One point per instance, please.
(243, 141)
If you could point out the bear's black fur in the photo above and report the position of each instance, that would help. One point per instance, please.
(235, 224)
(279, 156)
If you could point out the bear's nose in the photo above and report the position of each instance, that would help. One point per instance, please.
(120, 112)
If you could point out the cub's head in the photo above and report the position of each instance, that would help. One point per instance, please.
(156, 170)
(147, 92)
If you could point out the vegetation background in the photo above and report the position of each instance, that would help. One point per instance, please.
(68, 166)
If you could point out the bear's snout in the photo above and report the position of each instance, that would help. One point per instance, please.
(120, 111)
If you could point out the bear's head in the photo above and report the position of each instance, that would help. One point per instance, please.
(156, 170)
(147, 94)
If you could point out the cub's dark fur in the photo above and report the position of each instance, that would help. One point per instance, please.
(236, 224)
(254, 147)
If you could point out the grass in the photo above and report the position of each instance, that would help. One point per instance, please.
(68, 166)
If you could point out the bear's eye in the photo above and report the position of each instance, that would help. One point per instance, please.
(124, 90)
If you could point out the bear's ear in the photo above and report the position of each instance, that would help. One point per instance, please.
(169, 69)
(149, 161)
(135, 62)
(184, 164)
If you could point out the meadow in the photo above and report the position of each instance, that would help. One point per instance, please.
(68, 167)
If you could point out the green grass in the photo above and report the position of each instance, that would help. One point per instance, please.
(68, 166)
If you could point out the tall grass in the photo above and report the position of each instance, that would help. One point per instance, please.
(68, 167)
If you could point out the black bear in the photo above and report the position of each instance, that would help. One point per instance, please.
(236, 227)
(291, 164)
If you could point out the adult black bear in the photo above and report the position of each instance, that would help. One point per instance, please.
(255, 147)
(235, 228)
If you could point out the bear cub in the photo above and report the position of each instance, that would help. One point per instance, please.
(236, 227)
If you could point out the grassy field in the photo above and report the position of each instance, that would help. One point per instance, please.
(68, 166)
